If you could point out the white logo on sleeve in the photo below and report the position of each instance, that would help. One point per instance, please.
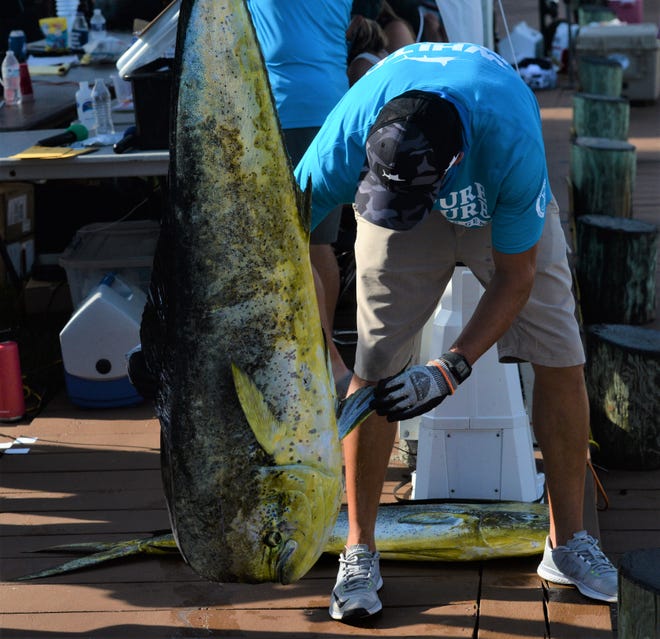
(540, 202)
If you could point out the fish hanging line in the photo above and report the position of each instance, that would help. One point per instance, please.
(508, 35)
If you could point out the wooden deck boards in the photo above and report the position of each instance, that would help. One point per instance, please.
(90, 479)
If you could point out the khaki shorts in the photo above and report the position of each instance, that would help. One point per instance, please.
(401, 276)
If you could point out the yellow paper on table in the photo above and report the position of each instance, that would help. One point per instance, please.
(50, 153)
(51, 69)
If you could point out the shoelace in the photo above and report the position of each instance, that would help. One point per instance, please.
(357, 569)
(589, 551)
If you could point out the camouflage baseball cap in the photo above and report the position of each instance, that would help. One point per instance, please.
(410, 146)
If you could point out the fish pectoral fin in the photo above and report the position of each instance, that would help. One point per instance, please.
(268, 431)
(354, 410)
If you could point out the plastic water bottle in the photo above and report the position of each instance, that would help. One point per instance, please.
(79, 32)
(97, 29)
(105, 129)
(11, 79)
(85, 108)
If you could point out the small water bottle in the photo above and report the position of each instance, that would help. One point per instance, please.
(105, 129)
(11, 79)
(79, 32)
(97, 26)
(85, 108)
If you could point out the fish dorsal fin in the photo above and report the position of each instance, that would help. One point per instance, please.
(268, 431)
(434, 519)
(354, 410)
(304, 201)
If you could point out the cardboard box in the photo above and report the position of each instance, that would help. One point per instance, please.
(47, 297)
(16, 210)
(637, 49)
(21, 255)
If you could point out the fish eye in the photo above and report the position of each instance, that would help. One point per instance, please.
(273, 539)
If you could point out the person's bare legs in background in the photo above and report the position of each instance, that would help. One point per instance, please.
(327, 282)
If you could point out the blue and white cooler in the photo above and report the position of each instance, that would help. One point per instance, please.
(95, 341)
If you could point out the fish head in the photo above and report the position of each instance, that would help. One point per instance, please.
(285, 531)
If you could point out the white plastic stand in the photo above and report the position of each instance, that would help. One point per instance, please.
(477, 444)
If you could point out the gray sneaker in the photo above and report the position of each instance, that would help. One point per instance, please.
(354, 596)
(581, 563)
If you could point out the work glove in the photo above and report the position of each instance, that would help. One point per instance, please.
(420, 388)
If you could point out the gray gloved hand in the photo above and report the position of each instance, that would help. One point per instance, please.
(415, 391)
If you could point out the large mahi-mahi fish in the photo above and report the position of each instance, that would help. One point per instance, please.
(251, 458)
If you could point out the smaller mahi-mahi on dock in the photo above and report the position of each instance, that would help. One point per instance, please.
(405, 532)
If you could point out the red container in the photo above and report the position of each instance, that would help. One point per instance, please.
(631, 11)
(12, 402)
(27, 93)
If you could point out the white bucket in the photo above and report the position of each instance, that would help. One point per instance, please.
(156, 40)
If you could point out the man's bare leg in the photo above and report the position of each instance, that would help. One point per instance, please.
(367, 453)
(561, 426)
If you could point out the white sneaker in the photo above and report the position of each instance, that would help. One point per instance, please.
(581, 563)
(354, 596)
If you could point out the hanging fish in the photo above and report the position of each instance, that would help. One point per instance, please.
(250, 451)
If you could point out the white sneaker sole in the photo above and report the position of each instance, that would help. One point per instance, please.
(356, 614)
(559, 578)
(553, 575)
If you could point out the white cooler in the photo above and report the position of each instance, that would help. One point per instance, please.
(95, 341)
(635, 46)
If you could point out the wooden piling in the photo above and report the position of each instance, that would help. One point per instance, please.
(600, 75)
(622, 373)
(602, 174)
(600, 116)
(639, 595)
(615, 266)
